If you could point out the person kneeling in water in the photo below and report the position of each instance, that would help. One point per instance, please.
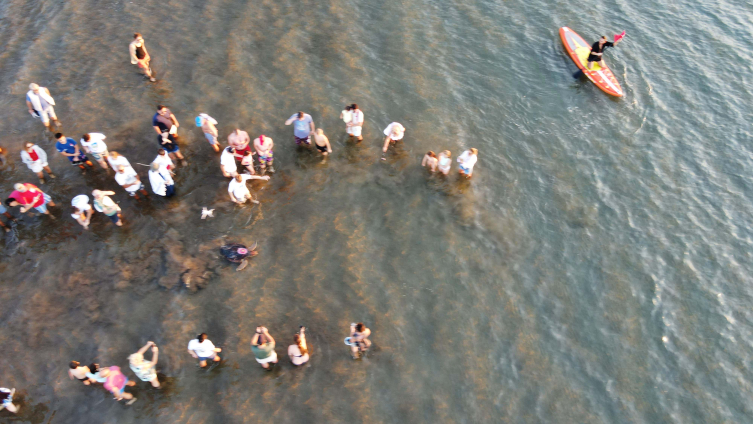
(237, 253)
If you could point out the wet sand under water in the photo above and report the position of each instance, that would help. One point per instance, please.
(594, 270)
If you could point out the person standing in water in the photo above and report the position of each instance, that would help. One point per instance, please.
(239, 191)
(164, 161)
(40, 104)
(394, 132)
(4, 211)
(207, 124)
(94, 144)
(103, 203)
(597, 51)
(36, 159)
(140, 57)
(227, 162)
(69, 148)
(6, 397)
(322, 142)
(467, 160)
(145, 370)
(30, 196)
(78, 372)
(346, 116)
(248, 161)
(115, 159)
(203, 349)
(81, 210)
(444, 162)
(263, 146)
(356, 123)
(430, 161)
(303, 126)
(263, 347)
(130, 181)
(359, 339)
(115, 382)
(161, 181)
(298, 352)
(240, 141)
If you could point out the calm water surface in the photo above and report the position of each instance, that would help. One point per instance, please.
(597, 268)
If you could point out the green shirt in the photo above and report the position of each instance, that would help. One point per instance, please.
(263, 351)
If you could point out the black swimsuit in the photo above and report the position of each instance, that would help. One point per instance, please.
(595, 48)
(230, 252)
(140, 53)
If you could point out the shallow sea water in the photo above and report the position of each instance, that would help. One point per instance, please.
(596, 269)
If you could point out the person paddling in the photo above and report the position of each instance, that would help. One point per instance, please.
(597, 50)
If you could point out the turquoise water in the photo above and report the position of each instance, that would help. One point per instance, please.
(596, 269)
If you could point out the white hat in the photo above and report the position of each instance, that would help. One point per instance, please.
(33, 86)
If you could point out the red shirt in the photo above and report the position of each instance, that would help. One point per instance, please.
(239, 151)
(28, 196)
(33, 155)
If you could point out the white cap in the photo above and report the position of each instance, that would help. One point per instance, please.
(33, 86)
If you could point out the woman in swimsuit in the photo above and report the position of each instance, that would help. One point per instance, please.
(430, 161)
(445, 162)
(298, 352)
(76, 370)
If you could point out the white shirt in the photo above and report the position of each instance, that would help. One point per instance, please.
(239, 189)
(204, 349)
(400, 131)
(227, 160)
(467, 160)
(115, 163)
(96, 143)
(128, 176)
(163, 161)
(159, 181)
(82, 203)
(356, 117)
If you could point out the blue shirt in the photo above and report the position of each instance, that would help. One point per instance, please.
(68, 147)
(302, 127)
(163, 122)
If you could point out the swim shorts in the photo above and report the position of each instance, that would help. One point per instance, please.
(271, 358)
(322, 149)
(76, 160)
(100, 156)
(304, 140)
(211, 138)
(266, 158)
(43, 208)
(171, 147)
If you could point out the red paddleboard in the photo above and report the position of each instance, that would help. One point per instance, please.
(579, 50)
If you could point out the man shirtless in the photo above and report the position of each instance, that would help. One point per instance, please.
(264, 146)
(322, 142)
(239, 140)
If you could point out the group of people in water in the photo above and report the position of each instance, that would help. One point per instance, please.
(201, 348)
(237, 156)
